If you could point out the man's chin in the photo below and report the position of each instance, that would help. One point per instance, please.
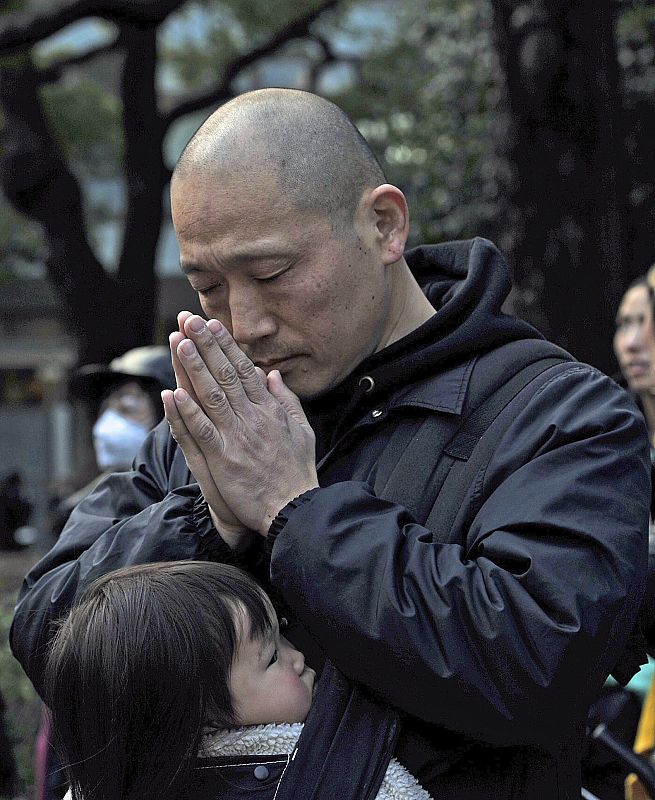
(304, 390)
(308, 384)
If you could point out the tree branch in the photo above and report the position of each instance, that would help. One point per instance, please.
(53, 72)
(25, 28)
(326, 47)
(222, 92)
(38, 182)
(144, 166)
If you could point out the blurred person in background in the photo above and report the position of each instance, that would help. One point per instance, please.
(634, 344)
(634, 347)
(619, 708)
(15, 512)
(127, 392)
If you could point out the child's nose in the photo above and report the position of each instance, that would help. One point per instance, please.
(295, 656)
(298, 662)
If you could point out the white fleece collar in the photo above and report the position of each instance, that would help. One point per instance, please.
(263, 740)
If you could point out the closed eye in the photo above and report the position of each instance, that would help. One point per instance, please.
(275, 275)
(208, 289)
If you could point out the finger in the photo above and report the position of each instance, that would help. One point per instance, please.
(174, 340)
(182, 317)
(195, 460)
(182, 379)
(208, 393)
(180, 433)
(253, 379)
(285, 397)
(228, 375)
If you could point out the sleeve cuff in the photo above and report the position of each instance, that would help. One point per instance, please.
(212, 545)
(282, 517)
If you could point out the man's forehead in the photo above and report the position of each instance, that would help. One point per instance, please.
(226, 169)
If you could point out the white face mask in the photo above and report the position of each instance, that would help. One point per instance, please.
(116, 440)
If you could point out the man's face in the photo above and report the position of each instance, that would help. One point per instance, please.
(634, 340)
(296, 296)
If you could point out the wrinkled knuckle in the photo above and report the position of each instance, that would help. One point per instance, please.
(245, 367)
(176, 431)
(206, 433)
(227, 375)
(196, 366)
(215, 399)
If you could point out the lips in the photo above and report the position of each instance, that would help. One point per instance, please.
(275, 363)
(637, 367)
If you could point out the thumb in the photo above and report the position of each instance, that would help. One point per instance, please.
(285, 397)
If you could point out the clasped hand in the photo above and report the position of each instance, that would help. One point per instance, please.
(244, 435)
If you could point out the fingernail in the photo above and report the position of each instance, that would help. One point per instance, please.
(196, 324)
(188, 347)
(214, 326)
(180, 395)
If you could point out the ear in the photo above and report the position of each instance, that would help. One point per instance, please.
(391, 215)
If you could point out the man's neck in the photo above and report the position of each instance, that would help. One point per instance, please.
(410, 308)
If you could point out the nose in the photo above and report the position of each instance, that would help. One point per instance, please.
(633, 337)
(296, 658)
(250, 316)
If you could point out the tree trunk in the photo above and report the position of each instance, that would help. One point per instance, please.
(107, 314)
(564, 191)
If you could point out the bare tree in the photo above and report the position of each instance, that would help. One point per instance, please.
(565, 186)
(109, 313)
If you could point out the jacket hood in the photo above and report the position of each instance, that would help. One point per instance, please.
(467, 283)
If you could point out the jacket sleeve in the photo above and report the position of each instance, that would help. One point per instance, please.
(507, 635)
(152, 513)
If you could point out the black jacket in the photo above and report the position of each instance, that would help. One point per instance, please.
(493, 645)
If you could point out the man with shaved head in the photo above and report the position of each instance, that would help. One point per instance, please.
(326, 405)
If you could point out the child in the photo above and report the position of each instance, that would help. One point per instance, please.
(171, 680)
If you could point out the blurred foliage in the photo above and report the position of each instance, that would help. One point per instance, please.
(420, 79)
(426, 106)
(201, 40)
(85, 119)
(22, 245)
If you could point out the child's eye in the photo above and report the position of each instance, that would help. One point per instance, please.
(273, 658)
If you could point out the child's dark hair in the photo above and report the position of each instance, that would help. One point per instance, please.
(140, 666)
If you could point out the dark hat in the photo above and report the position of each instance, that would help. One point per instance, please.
(151, 366)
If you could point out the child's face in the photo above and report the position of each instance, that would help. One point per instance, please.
(269, 681)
